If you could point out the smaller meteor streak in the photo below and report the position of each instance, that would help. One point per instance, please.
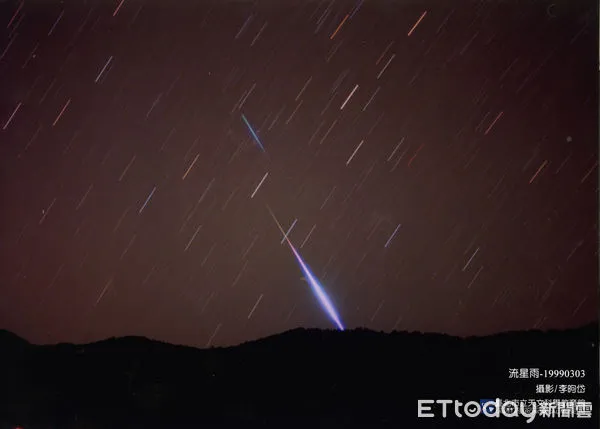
(310, 279)
(254, 136)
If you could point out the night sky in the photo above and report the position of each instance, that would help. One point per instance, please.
(434, 163)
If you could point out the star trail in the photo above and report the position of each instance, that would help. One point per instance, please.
(434, 163)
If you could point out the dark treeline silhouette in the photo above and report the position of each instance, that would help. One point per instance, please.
(302, 378)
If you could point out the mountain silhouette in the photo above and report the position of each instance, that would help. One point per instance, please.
(300, 378)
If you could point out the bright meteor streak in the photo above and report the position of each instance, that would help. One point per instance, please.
(314, 283)
(254, 136)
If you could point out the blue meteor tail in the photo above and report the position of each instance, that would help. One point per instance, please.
(316, 287)
(318, 290)
(254, 136)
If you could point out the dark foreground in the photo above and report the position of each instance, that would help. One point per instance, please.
(301, 378)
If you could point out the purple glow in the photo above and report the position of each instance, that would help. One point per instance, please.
(314, 283)
(318, 290)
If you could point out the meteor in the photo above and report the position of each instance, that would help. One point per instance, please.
(316, 287)
(254, 136)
